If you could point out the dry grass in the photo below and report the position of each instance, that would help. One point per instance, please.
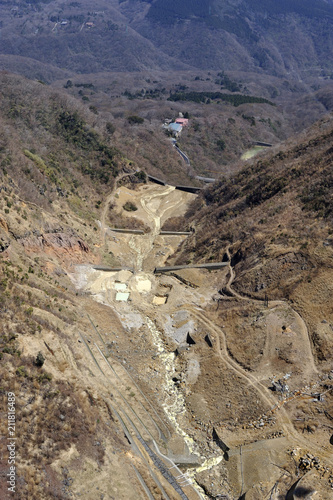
(117, 220)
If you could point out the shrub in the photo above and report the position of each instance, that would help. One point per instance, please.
(40, 360)
(141, 176)
(21, 371)
(29, 311)
(69, 83)
(44, 377)
(129, 206)
(134, 119)
(110, 128)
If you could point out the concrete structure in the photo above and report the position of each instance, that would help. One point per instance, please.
(189, 189)
(125, 230)
(156, 180)
(176, 233)
(264, 144)
(208, 180)
(211, 265)
(112, 269)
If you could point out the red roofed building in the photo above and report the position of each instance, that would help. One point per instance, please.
(182, 121)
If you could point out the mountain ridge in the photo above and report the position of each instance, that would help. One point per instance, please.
(232, 36)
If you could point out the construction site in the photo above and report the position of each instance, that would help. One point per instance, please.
(217, 393)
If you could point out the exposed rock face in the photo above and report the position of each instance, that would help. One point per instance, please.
(3, 224)
(4, 240)
(63, 245)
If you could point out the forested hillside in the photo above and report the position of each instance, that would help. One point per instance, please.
(272, 38)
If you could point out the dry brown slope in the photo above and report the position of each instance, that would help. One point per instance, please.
(275, 216)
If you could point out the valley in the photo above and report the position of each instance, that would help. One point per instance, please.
(262, 424)
(166, 249)
(195, 383)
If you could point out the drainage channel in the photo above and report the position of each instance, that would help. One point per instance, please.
(175, 406)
